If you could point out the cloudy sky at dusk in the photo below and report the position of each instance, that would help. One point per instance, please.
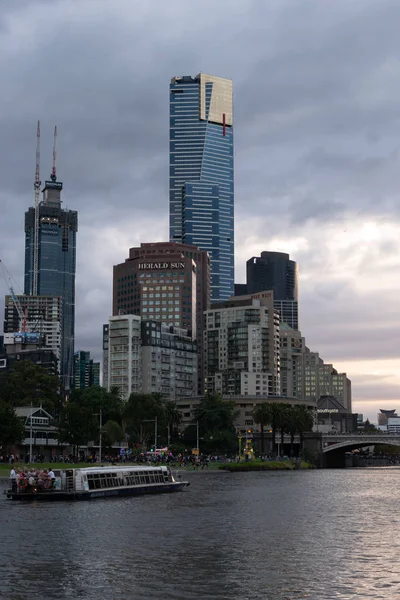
(317, 130)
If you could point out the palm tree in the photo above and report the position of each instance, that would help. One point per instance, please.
(262, 415)
(173, 417)
(291, 425)
(281, 418)
(305, 421)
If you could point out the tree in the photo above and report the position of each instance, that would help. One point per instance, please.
(77, 425)
(262, 415)
(12, 428)
(370, 427)
(26, 382)
(139, 415)
(172, 416)
(216, 421)
(97, 398)
(291, 425)
(305, 421)
(112, 433)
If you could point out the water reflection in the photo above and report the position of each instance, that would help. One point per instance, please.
(318, 535)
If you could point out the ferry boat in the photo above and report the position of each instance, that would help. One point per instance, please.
(99, 482)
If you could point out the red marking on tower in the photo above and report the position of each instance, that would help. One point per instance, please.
(224, 124)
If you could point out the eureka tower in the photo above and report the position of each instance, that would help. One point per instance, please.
(201, 197)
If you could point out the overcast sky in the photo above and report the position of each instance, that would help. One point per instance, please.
(317, 130)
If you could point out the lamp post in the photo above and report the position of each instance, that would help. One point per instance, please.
(30, 436)
(155, 431)
(101, 426)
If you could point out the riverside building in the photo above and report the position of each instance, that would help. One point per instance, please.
(144, 356)
(56, 264)
(42, 318)
(241, 344)
(201, 194)
(292, 346)
(169, 361)
(166, 282)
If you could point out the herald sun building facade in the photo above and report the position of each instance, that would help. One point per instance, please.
(168, 283)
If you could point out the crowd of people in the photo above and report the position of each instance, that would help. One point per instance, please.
(29, 480)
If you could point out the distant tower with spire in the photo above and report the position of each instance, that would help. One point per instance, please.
(50, 239)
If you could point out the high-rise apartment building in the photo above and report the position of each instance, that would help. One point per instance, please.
(292, 346)
(144, 356)
(322, 379)
(169, 361)
(123, 358)
(242, 347)
(86, 371)
(274, 271)
(166, 282)
(56, 264)
(42, 316)
(201, 173)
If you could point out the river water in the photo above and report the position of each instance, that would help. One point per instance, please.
(280, 536)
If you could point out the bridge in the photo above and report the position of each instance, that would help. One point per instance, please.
(335, 446)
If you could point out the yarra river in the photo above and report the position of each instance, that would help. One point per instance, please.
(275, 536)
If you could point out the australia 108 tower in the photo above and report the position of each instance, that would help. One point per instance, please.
(201, 173)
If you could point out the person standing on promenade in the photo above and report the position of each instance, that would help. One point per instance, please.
(13, 477)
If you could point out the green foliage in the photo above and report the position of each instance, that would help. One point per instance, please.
(291, 419)
(12, 429)
(215, 413)
(97, 398)
(26, 382)
(139, 414)
(77, 425)
(111, 434)
(368, 426)
(216, 425)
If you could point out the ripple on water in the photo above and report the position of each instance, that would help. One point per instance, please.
(284, 536)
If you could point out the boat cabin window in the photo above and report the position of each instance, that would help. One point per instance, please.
(98, 481)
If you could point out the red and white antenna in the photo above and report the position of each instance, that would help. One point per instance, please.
(53, 175)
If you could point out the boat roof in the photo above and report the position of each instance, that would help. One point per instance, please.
(119, 468)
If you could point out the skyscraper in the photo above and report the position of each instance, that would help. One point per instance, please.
(56, 263)
(201, 173)
(275, 271)
(86, 371)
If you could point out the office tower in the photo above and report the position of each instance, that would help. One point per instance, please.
(86, 371)
(242, 347)
(56, 263)
(201, 173)
(275, 271)
(42, 317)
(166, 282)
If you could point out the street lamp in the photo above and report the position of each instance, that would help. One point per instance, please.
(155, 431)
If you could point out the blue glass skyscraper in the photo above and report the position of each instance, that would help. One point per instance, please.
(56, 264)
(201, 173)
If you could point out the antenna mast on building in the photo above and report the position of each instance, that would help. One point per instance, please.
(53, 175)
(36, 186)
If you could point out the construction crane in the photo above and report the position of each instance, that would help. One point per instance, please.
(18, 308)
(36, 186)
(53, 175)
(21, 315)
